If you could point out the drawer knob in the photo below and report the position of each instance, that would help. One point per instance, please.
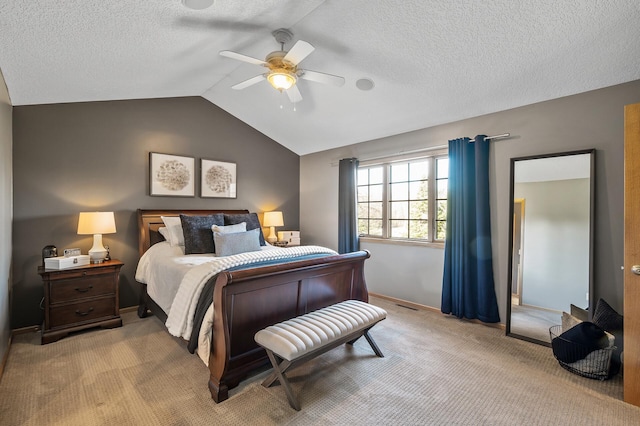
(83, 290)
(83, 314)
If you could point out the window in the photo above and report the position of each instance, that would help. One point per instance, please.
(394, 199)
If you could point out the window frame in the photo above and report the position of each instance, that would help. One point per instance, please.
(432, 197)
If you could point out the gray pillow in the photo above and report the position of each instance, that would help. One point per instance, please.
(236, 243)
(581, 314)
(197, 232)
(250, 218)
(569, 321)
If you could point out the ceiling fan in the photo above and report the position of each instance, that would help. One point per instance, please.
(283, 72)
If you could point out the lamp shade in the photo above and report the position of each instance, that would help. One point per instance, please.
(90, 223)
(273, 219)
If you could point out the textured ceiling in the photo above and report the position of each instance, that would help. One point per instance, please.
(432, 61)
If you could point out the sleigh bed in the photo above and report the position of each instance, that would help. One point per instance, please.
(249, 298)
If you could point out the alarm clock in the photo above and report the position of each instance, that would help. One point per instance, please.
(72, 252)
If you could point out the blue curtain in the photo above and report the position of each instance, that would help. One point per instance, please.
(347, 209)
(468, 289)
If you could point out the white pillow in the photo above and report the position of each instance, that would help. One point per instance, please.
(230, 229)
(174, 225)
(165, 233)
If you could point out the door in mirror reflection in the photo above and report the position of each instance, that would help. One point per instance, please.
(550, 267)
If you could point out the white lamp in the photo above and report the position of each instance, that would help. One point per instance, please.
(96, 223)
(273, 219)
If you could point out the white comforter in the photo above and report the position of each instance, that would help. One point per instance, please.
(175, 281)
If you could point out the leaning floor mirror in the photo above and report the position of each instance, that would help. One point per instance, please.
(551, 241)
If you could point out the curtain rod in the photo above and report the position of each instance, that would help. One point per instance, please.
(431, 148)
(504, 135)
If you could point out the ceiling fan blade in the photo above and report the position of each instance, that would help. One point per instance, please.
(294, 94)
(298, 52)
(321, 77)
(250, 82)
(241, 57)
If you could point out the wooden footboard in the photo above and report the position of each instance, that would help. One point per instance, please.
(249, 300)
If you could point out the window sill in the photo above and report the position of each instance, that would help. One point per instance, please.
(438, 245)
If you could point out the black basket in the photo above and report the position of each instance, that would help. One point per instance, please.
(589, 363)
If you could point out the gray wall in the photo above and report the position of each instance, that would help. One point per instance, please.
(555, 266)
(588, 120)
(5, 216)
(77, 157)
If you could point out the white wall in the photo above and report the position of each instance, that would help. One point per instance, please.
(556, 243)
(6, 212)
(408, 272)
(589, 120)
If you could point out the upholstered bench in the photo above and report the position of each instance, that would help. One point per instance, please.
(302, 338)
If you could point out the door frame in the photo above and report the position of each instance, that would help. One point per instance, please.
(631, 325)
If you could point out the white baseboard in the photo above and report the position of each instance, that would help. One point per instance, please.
(418, 306)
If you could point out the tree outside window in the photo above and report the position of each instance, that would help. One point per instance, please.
(394, 199)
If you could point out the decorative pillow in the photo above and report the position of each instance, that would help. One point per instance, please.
(569, 321)
(230, 229)
(581, 314)
(174, 226)
(165, 233)
(197, 232)
(250, 218)
(607, 318)
(236, 243)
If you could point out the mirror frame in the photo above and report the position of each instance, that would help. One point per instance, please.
(592, 205)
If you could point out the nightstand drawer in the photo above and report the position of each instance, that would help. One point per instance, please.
(80, 272)
(82, 312)
(91, 286)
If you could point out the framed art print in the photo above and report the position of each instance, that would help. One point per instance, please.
(172, 175)
(217, 179)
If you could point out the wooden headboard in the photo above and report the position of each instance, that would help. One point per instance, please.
(149, 221)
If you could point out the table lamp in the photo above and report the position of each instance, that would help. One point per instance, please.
(273, 219)
(96, 224)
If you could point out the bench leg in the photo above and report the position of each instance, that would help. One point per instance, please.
(372, 343)
(375, 347)
(279, 373)
(284, 366)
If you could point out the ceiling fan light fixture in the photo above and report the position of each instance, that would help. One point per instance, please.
(281, 79)
(197, 4)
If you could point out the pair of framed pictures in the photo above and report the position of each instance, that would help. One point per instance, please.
(174, 175)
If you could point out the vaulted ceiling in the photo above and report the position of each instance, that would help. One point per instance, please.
(430, 61)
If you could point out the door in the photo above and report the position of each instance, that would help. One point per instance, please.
(631, 254)
(516, 268)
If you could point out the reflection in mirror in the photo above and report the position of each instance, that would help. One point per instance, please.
(550, 266)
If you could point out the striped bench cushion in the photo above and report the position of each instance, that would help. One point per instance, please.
(295, 337)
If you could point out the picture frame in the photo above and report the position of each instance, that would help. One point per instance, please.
(218, 179)
(171, 175)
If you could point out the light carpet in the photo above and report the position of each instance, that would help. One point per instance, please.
(437, 370)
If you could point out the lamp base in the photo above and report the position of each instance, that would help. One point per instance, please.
(272, 238)
(97, 253)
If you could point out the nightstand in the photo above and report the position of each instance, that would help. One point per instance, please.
(291, 237)
(80, 298)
